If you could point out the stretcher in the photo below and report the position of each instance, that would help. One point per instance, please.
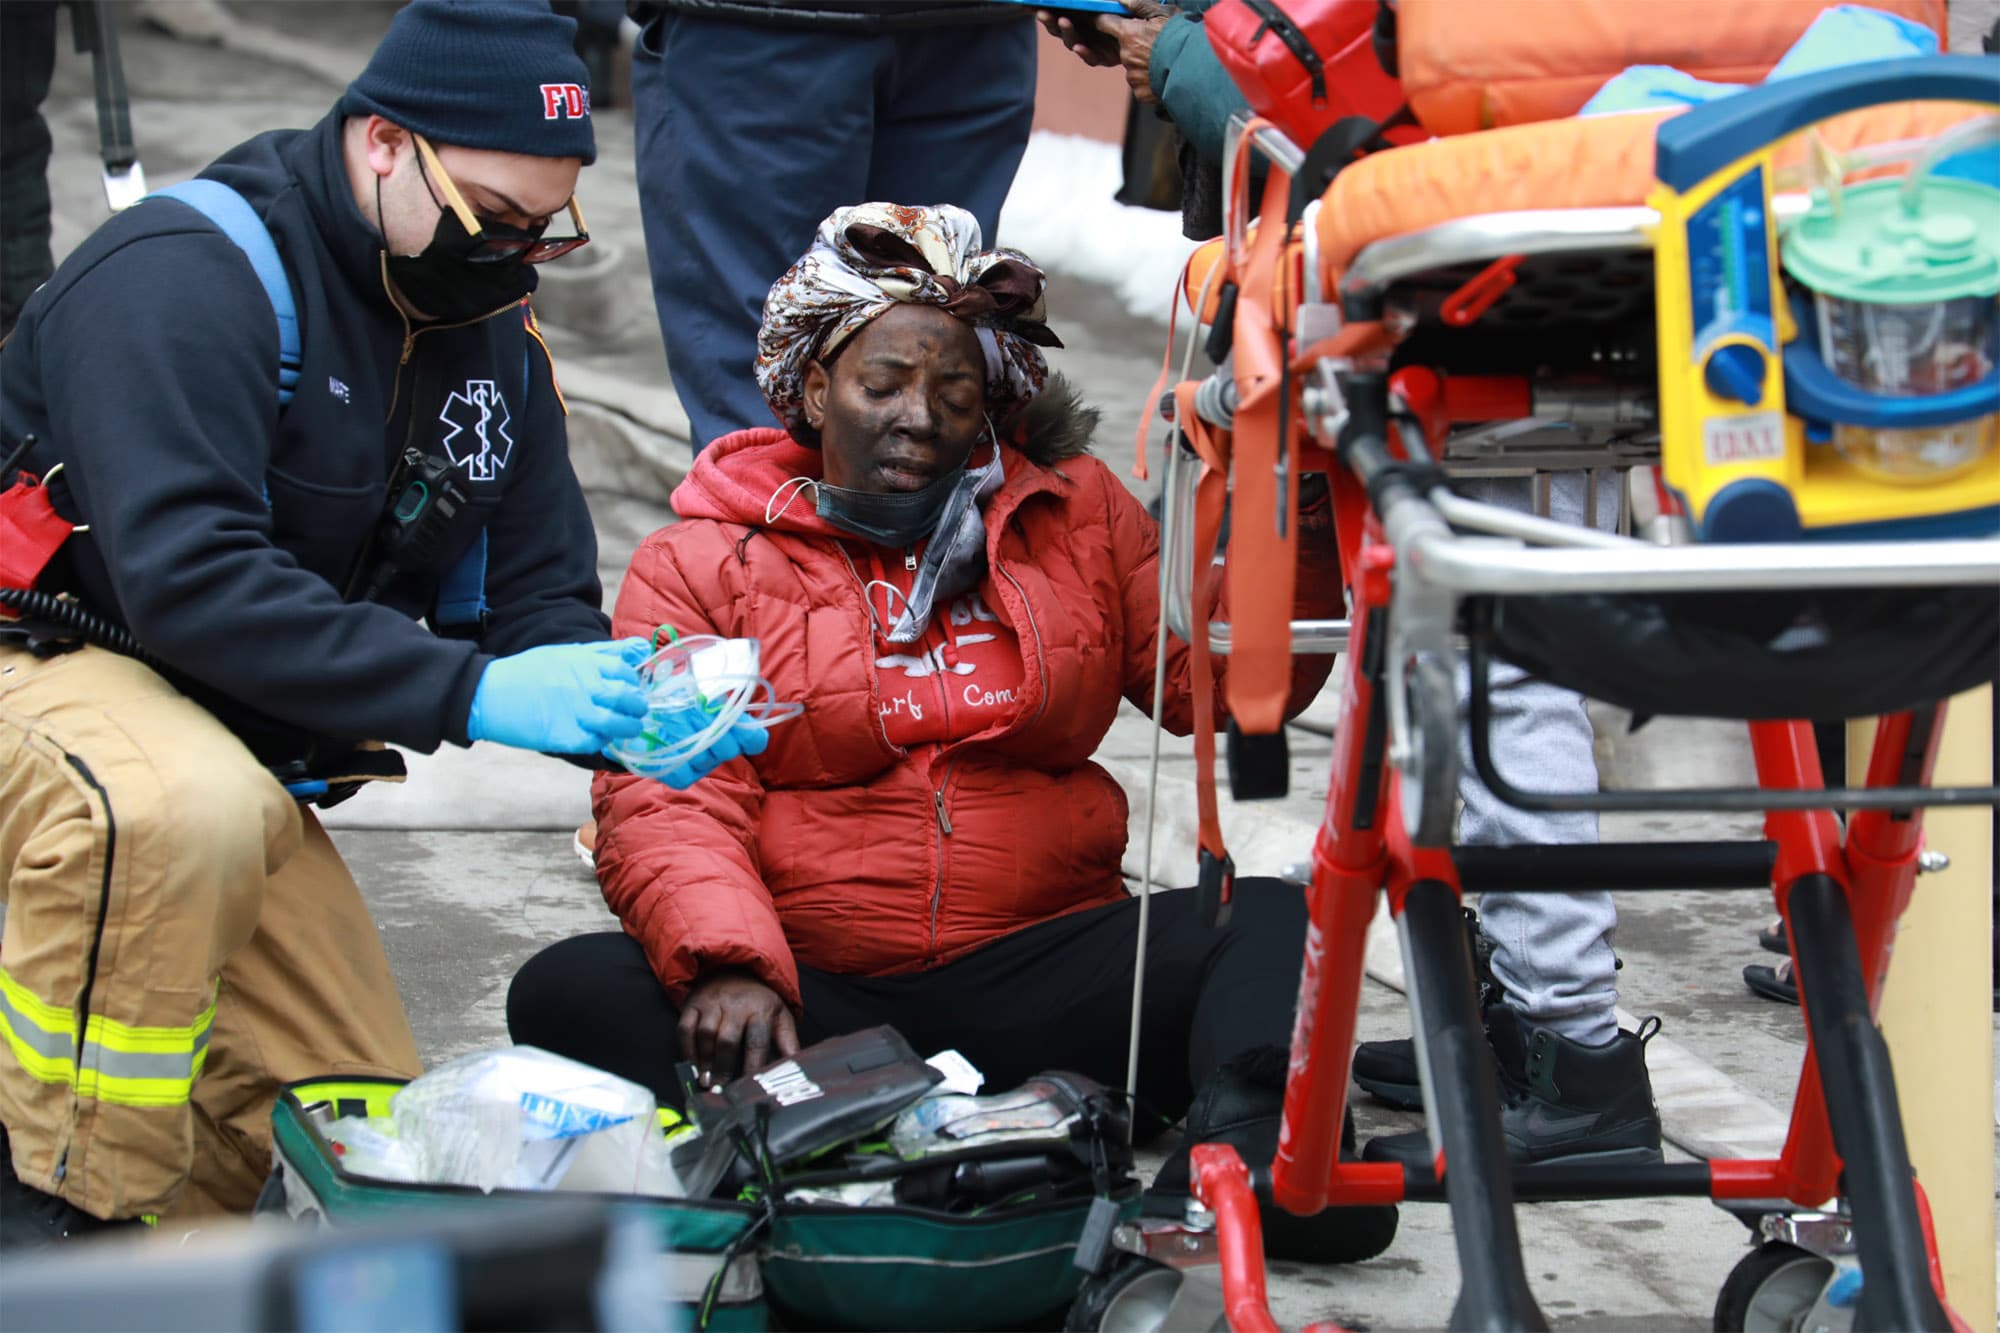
(1611, 295)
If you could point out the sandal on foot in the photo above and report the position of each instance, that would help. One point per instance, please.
(1773, 983)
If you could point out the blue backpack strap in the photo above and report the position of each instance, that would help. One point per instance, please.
(461, 599)
(236, 219)
(232, 213)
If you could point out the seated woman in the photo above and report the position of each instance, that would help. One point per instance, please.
(960, 596)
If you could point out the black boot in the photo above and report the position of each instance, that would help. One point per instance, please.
(30, 1218)
(1387, 1070)
(1241, 1106)
(1562, 1101)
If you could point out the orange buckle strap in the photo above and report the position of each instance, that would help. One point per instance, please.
(1217, 872)
(1263, 540)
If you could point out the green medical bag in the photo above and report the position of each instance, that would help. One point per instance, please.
(709, 1257)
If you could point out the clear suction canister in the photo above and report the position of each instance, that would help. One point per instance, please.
(1904, 276)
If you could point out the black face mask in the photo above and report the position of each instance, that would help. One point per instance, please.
(446, 285)
(887, 518)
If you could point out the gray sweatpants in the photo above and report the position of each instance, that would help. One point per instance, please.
(1551, 951)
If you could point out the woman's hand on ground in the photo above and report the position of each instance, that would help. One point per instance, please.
(733, 1024)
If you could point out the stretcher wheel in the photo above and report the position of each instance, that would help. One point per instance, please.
(1771, 1290)
(1430, 769)
(1138, 1295)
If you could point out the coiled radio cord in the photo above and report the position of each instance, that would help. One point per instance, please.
(71, 616)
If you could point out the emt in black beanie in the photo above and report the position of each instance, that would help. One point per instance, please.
(472, 104)
(393, 547)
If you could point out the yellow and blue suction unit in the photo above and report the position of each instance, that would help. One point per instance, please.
(1862, 399)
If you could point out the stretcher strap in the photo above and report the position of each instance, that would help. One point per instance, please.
(1152, 403)
(1214, 449)
(1210, 495)
(1263, 537)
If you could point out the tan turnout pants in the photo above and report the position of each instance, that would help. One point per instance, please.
(181, 939)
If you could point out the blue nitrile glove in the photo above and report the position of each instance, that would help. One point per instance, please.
(742, 738)
(562, 698)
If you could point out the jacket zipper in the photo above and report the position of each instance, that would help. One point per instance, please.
(411, 333)
(96, 944)
(943, 687)
(944, 831)
(1041, 668)
(938, 809)
(868, 619)
(938, 805)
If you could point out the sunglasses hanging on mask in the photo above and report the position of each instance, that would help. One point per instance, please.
(473, 265)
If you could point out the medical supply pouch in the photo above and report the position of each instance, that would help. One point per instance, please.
(830, 1093)
(708, 1268)
(945, 1211)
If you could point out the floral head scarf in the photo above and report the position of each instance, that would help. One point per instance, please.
(868, 257)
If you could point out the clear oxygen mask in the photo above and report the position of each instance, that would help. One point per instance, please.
(697, 688)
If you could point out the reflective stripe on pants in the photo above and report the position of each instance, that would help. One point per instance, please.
(132, 1066)
(181, 938)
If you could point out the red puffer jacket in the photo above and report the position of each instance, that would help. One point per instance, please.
(836, 848)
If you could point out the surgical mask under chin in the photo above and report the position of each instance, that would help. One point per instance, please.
(443, 284)
(955, 561)
(887, 518)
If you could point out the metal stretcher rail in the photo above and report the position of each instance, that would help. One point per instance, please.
(1493, 565)
(1578, 560)
(1536, 231)
(1309, 637)
(1287, 156)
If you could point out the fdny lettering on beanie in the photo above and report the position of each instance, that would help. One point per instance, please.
(495, 74)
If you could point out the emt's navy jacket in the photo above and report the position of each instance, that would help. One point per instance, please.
(147, 366)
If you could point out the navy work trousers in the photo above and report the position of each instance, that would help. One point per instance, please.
(748, 137)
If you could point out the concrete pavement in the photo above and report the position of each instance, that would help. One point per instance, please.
(470, 871)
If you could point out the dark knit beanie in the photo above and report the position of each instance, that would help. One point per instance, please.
(498, 74)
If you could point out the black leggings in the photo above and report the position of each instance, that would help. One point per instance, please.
(1057, 995)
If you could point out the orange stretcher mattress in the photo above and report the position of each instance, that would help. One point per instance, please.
(1589, 162)
(1472, 65)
